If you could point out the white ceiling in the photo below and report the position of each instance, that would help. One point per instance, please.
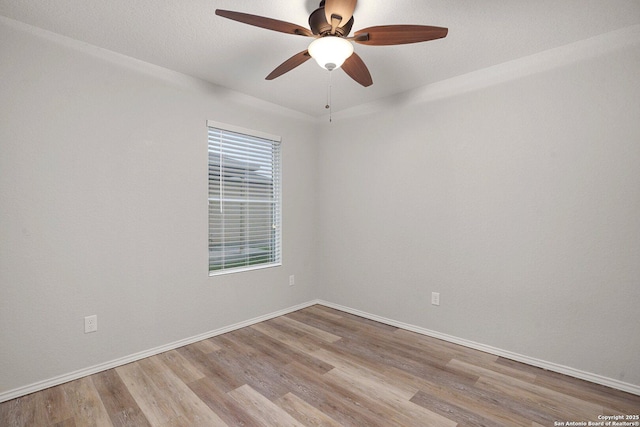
(187, 36)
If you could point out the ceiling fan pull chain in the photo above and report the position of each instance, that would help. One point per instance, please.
(328, 106)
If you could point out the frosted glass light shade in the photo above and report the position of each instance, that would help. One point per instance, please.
(330, 52)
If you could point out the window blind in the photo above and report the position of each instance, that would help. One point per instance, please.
(244, 199)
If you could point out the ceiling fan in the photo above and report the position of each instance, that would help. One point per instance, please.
(332, 48)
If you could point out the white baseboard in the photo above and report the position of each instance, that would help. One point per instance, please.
(61, 379)
(566, 370)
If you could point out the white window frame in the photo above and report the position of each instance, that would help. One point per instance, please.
(241, 253)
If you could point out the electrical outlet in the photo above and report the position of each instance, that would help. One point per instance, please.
(292, 280)
(435, 298)
(90, 324)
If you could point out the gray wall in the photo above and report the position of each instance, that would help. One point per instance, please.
(103, 207)
(513, 192)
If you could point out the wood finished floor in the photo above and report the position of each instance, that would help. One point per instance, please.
(319, 366)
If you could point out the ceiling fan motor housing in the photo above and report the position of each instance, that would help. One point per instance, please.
(320, 27)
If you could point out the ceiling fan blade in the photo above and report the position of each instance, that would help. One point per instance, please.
(342, 8)
(386, 35)
(289, 64)
(355, 68)
(262, 22)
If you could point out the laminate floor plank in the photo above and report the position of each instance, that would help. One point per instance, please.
(615, 401)
(305, 413)
(174, 393)
(558, 405)
(259, 372)
(348, 326)
(430, 344)
(418, 345)
(387, 358)
(211, 368)
(147, 396)
(19, 412)
(228, 409)
(339, 403)
(67, 423)
(501, 408)
(493, 371)
(355, 319)
(262, 409)
(206, 346)
(163, 398)
(279, 352)
(180, 366)
(118, 402)
(360, 368)
(307, 329)
(287, 337)
(85, 403)
(388, 404)
(323, 311)
(331, 325)
(382, 343)
(320, 367)
(388, 343)
(393, 347)
(460, 414)
(51, 407)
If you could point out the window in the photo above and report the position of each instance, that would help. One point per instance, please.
(244, 199)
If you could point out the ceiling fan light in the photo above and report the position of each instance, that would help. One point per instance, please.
(330, 52)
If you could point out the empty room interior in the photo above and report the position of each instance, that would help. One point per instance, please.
(447, 235)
